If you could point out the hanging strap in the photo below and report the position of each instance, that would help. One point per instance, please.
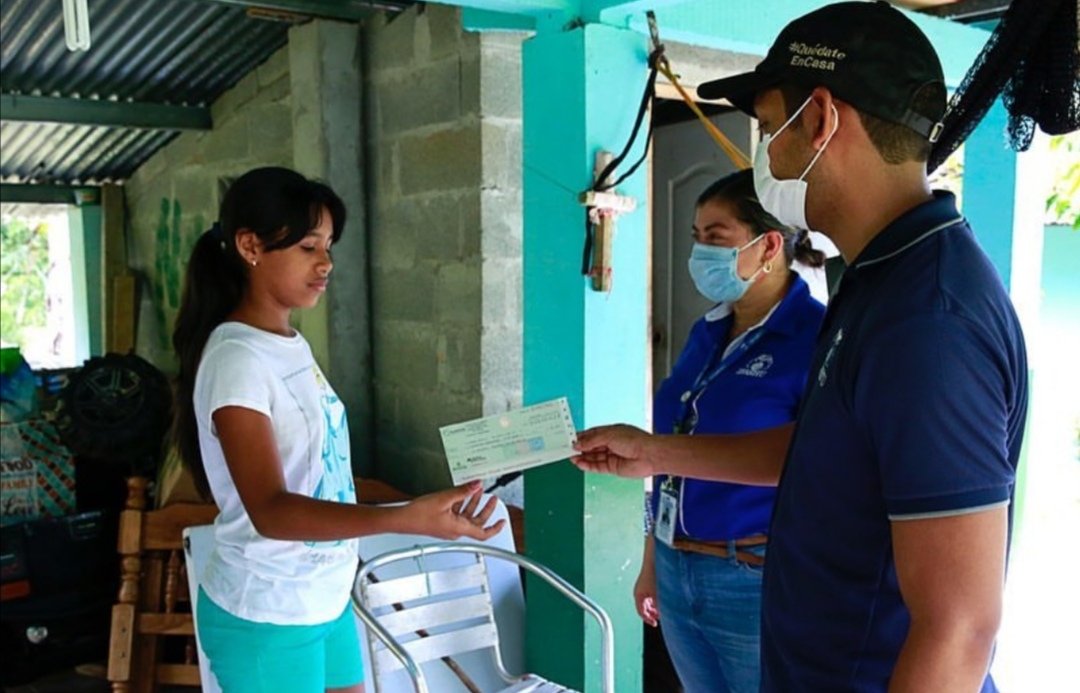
(716, 365)
(658, 64)
(740, 160)
(601, 183)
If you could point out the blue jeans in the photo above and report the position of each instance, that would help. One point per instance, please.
(710, 615)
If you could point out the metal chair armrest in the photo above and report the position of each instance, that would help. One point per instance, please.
(607, 646)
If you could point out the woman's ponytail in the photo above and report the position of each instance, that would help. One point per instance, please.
(805, 252)
(737, 189)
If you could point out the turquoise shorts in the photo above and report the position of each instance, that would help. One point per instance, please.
(251, 657)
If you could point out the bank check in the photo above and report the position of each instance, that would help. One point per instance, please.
(510, 442)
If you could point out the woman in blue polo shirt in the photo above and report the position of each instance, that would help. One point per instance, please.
(743, 369)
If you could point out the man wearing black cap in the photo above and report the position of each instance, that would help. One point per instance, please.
(888, 540)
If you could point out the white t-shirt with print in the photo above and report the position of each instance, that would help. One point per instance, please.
(248, 575)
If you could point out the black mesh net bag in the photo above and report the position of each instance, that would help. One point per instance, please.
(1032, 59)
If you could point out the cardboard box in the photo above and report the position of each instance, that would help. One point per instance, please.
(37, 472)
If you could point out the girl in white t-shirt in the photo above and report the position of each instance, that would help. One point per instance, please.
(261, 429)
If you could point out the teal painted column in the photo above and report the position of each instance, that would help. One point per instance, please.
(989, 186)
(84, 227)
(1004, 194)
(581, 92)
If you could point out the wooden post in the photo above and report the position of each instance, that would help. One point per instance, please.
(122, 634)
(117, 284)
(120, 331)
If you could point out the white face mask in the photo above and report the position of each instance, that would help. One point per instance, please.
(785, 199)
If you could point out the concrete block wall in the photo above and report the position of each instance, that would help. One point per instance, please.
(442, 161)
(443, 137)
(325, 73)
(174, 196)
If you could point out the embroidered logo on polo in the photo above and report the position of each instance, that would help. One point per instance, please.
(823, 372)
(758, 367)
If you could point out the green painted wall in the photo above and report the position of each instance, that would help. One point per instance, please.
(1057, 339)
(174, 196)
(1061, 278)
(174, 238)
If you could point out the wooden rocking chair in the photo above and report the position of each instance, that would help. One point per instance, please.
(152, 585)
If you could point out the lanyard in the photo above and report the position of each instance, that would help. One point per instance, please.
(710, 373)
(689, 402)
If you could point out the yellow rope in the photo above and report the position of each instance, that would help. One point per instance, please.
(733, 152)
(740, 160)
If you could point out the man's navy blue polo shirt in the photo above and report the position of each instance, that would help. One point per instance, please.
(914, 408)
(758, 387)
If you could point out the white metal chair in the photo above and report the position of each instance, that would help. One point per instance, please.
(198, 542)
(432, 614)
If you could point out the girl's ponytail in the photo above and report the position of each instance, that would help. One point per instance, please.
(213, 286)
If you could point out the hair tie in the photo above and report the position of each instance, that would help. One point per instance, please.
(217, 234)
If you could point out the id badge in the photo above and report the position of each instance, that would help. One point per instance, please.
(667, 513)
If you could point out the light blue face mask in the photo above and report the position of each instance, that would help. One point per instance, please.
(715, 272)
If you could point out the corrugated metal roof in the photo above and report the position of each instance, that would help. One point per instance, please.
(74, 154)
(158, 51)
(166, 51)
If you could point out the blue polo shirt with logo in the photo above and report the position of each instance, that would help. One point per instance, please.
(914, 408)
(756, 386)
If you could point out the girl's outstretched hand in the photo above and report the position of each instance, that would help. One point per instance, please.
(452, 514)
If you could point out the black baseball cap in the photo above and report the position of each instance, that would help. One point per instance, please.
(868, 54)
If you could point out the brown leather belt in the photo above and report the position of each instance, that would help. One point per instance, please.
(720, 548)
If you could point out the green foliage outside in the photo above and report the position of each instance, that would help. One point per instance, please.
(1063, 203)
(24, 266)
(950, 176)
(1063, 200)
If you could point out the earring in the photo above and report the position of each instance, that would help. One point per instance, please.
(254, 263)
(767, 268)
